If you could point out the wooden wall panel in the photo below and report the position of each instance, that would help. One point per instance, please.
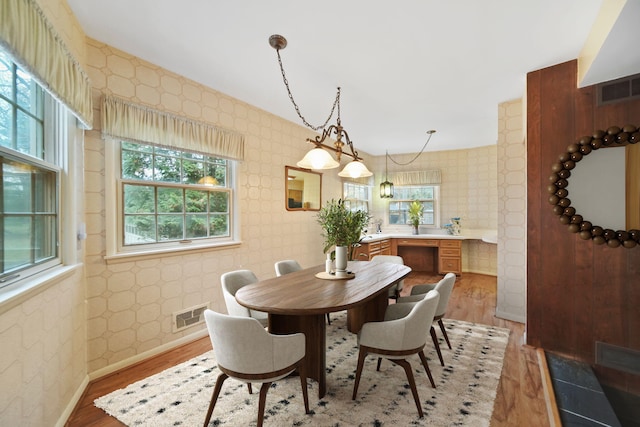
(535, 300)
(577, 292)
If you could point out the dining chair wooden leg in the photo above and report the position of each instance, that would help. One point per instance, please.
(328, 319)
(412, 382)
(444, 332)
(434, 337)
(214, 396)
(361, 356)
(250, 388)
(426, 368)
(262, 401)
(379, 363)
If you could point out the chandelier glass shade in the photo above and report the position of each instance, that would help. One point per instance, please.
(317, 158)
(208, 180)
(355, 169)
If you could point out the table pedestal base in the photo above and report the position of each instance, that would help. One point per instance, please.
(315, 331)
(314, 328)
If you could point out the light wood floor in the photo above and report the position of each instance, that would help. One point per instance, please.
(519, 402)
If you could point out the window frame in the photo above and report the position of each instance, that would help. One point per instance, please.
(117, 250)
(55, 146)
(359, 203)
(436, 205)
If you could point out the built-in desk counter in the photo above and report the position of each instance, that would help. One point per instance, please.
(438, 253)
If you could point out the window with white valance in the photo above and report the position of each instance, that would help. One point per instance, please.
(423, 186)
(174, 180)
(27, 35)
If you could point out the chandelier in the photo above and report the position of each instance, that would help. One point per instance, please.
(319, 157)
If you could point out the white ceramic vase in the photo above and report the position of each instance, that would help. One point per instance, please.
(341, 258)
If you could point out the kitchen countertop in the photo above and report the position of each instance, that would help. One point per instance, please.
(487, 236)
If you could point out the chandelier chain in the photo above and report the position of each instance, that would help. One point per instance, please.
(295, 105)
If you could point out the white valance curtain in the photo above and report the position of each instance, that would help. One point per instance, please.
(426, 177)
(124, 120)
(26, 33)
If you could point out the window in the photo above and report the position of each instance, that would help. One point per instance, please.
(356, 196)
(30, 172)
(404, 195)
(173, 196)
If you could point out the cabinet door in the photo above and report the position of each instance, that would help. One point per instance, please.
(366, 251)
(450, 265)
(362, 252)
(374, 249)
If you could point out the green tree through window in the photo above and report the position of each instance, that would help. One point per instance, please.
(172, 195)
(30, 175)
(404, 195)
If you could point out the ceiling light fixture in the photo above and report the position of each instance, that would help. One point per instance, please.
(386, 187)
(318, 157)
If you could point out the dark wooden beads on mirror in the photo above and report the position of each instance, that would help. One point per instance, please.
(559, 179)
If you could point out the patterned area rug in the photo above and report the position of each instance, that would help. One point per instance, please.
(464, 395)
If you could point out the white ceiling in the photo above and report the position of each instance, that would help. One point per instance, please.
(404, 67)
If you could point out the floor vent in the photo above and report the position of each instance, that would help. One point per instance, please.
(189, 317)
(623, 89)
(620, 358)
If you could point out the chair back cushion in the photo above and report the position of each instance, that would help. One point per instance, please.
(444, 287)
(287, 266)
(231, 282)
(419, 320)
(406, 333)
(242, 345)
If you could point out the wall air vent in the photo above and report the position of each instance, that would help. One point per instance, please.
(189, 317)
(624, 89)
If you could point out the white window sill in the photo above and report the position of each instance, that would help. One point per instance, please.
(19, 292)
(173, 251)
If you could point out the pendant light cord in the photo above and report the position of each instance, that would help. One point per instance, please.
(430, 132)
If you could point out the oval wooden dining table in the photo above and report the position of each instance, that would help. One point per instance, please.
(299, 302)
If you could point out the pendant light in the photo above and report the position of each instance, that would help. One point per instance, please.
(386, 188)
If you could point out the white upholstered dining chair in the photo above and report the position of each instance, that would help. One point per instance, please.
(246, 352)
(445, 288)
(402, 333)
(286, 266)
(231, 282)
(394, 291)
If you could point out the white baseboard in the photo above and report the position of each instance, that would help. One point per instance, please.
(147, 354)
(71, 405)
(520, 318)
(486, 273)
(64, 417)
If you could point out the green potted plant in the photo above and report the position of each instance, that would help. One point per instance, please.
(342, 228)
(415, 215)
